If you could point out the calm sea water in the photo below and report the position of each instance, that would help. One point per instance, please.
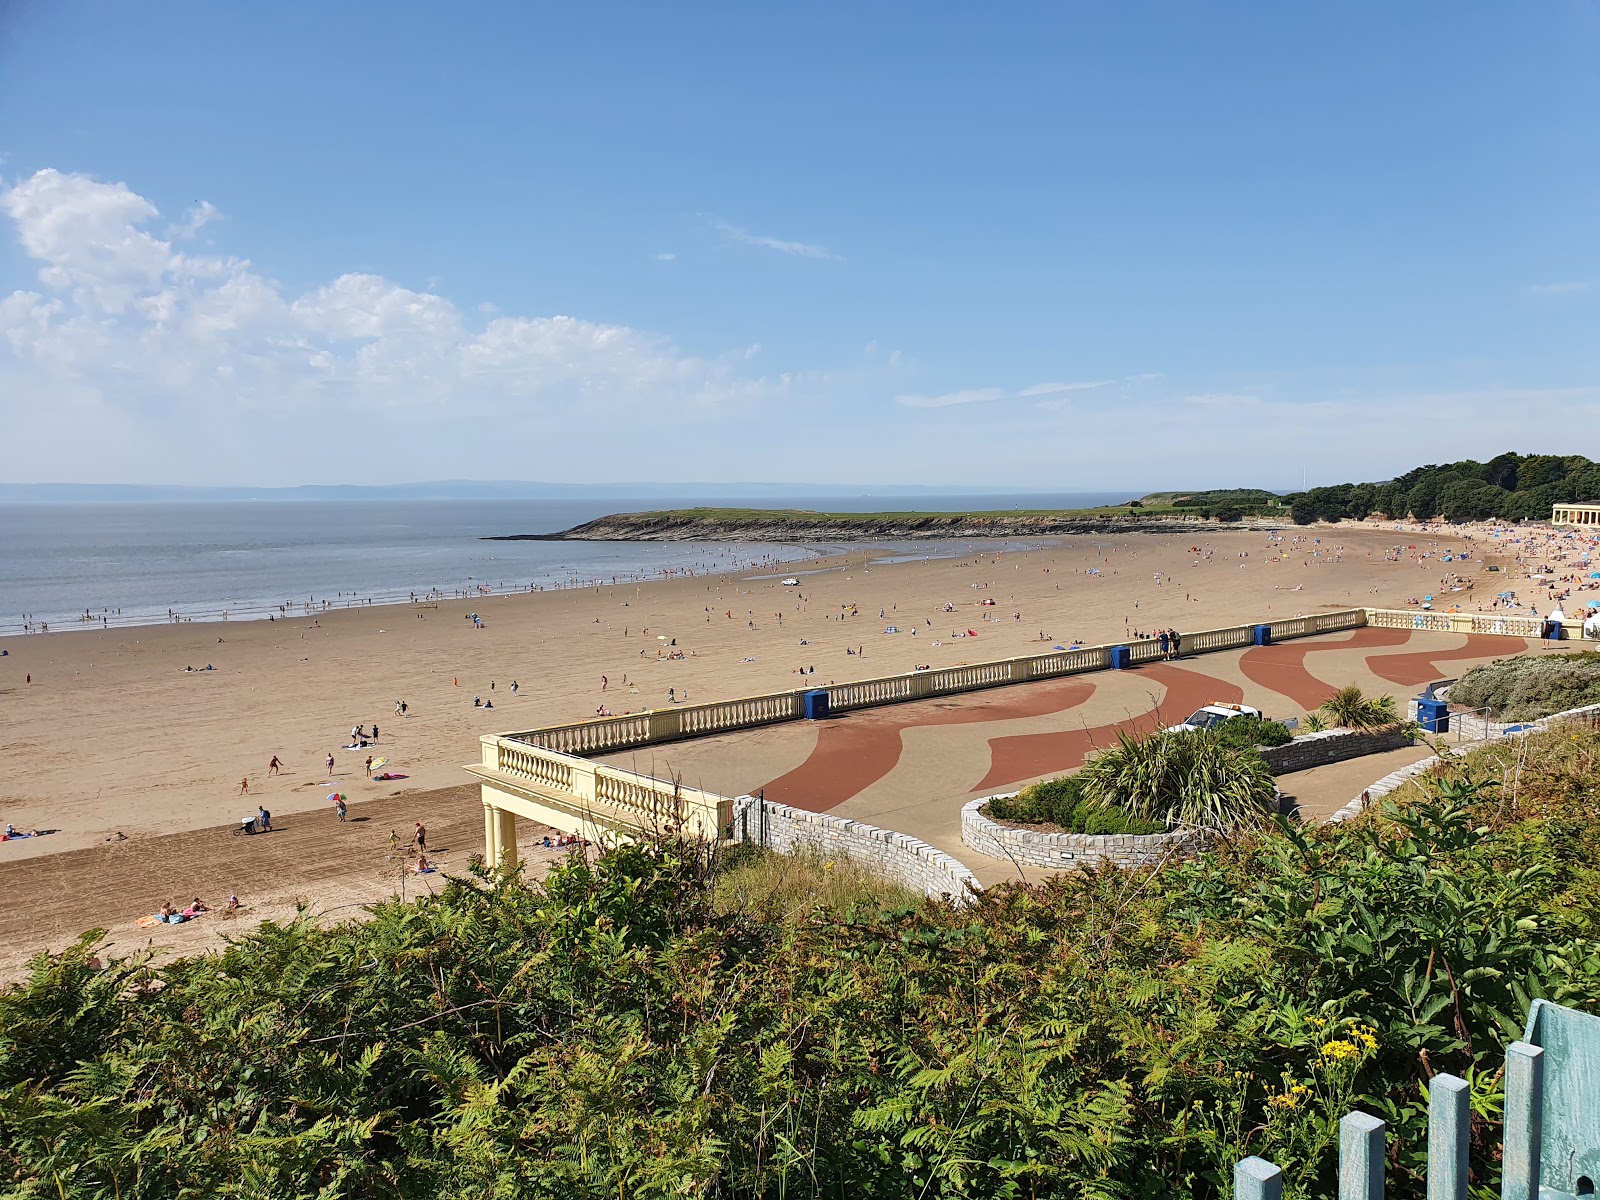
(133, 562)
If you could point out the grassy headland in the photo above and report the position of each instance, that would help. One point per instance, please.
(789, 525)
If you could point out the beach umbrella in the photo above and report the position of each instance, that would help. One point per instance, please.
(334, 798)
(1428, 597)
(1594, 604)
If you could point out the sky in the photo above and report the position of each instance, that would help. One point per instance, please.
(1065, 246)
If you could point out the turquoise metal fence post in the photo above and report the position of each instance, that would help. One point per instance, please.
(1519, 1177)
(1256, 1179)
(1569, 1123)
(1448, 1133)
(1360, 1157)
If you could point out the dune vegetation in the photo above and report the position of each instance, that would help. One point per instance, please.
(647, 1025)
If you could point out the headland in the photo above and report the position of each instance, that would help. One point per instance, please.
(800, 525)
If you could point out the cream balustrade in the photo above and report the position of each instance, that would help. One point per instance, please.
(1502, 624)
(595, 794)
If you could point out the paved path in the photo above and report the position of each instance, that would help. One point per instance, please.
(910, 767)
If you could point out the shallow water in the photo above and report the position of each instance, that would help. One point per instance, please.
(133, 563)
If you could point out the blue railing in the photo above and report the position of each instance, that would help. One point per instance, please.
(1551, 1143)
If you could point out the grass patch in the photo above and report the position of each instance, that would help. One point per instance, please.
(773, 887)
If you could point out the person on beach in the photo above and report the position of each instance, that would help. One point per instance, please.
(264, 819)
(244, 786)
(374, 733)
(330, 766)
(369, 766)
(605, 683)
(421, 837)
(274, 766)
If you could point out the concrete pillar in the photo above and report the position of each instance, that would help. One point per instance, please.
(489, 855)
(505, 839)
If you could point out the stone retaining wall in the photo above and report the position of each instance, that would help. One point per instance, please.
(1060, 851)
(1332, 745)
(901, 857)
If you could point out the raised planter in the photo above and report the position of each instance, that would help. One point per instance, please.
(1062, 851)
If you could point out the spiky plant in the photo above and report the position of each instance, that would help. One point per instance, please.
(1351, 708)
(1182, 778)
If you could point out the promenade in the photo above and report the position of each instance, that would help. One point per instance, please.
(910, 767)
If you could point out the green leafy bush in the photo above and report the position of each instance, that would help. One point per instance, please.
(1061, 802)
(1528, 687)
(616, 1031)
(1248, 732)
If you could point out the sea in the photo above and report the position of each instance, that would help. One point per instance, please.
(77, 565)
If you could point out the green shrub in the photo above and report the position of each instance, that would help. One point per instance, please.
(1247, 732)
(1351, 708)
(1527, 687)
(611, 1031)
(1182, 778)
(1061, 802)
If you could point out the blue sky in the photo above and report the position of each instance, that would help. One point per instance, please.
(1058, 246)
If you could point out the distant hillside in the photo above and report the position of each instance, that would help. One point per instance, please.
(1512, 487)
(796, 525)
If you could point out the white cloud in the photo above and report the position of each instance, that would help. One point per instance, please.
(1569, 287)
(1222, 400)
(666, 256)
(949, 399)
(128, 318)
(199, 216)
(133, 354)
(799, 249)
(1051, 389)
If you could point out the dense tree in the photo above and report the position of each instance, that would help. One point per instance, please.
(1509, 486)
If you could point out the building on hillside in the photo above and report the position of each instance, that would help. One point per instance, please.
(1576, 514)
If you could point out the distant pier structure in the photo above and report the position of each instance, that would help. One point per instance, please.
(1576, 514)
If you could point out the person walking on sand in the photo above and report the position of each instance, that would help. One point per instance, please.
(330, 766)
(244, 786)
(421, 837)
(605, 683)
(369, 766)
(374, 733)
(274, 766)
(264, 819)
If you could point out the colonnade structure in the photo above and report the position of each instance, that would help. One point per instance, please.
(1576, 514)
(548, 775)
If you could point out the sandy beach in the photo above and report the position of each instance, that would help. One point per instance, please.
(114, 742)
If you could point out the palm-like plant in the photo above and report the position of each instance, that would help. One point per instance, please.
(1351, 708)
(1182, 778)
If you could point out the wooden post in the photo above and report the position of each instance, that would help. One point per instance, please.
(1448, 1133)
(1519, 1171)
(1360, 1157)
(1257, 1179)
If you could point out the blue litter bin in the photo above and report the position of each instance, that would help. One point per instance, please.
(1261, 635)
(816, 704)
(1121, 658)
(1433, 715)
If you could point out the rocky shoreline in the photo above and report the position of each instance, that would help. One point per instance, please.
(723, 526)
